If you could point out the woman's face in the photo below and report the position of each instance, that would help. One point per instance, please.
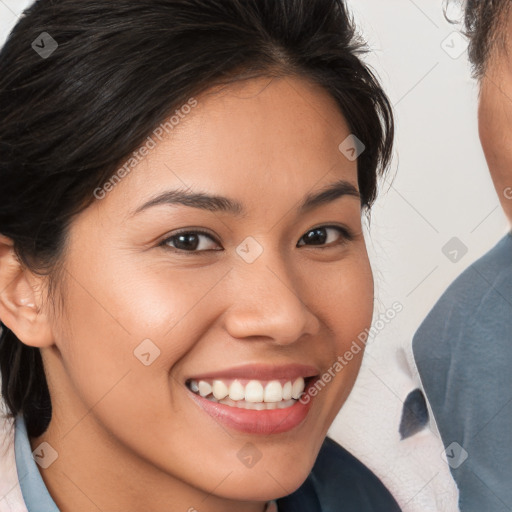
(273, 293)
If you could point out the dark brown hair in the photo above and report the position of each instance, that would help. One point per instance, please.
(485, 24)
(70, 118)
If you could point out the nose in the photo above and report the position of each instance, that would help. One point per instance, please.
(269, 302)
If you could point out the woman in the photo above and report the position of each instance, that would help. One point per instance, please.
(182, 257)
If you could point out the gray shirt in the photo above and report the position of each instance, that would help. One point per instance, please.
(463, 350)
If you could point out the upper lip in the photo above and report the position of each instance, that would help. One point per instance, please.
(260, 372)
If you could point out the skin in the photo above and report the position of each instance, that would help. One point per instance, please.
(495, 120)
(129, 437)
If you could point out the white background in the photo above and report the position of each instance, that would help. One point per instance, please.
(440, 189)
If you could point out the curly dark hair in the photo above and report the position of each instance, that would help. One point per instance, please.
(485, 24)
(70, 119)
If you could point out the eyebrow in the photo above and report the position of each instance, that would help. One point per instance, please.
(216, 203)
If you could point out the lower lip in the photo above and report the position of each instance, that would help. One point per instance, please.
(269, 421)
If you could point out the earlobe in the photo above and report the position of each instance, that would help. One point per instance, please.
(20, 306)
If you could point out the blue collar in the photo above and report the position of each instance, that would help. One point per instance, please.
(34, 491)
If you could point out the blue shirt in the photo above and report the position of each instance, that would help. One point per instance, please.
(463, 350)
(34, 491)
(338, 482)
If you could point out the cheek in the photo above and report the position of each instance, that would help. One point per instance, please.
(347, 298)
(121, 341)
(348, 302)
(494, 126)
(122, 316)
(117, 322)
(358, 311)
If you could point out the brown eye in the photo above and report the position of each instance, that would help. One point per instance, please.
(188, 241)
(320, 236)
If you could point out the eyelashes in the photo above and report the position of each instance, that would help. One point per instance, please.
(346, 235)
(191, 234)
(188, 241)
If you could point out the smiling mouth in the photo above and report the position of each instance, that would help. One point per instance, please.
(251, 393)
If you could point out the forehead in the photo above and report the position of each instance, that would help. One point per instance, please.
(256, 139)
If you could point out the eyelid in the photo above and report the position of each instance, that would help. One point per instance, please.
(198, 231)
(346, 236)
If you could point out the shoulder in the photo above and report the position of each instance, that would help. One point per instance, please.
(338, 478)
(494, 267)
(463, 344)
(481, 291)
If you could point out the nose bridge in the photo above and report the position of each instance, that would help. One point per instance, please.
(267, 302)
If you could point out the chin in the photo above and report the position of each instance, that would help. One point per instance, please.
(264, 485)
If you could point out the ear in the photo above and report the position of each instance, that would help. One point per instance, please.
(20, 304)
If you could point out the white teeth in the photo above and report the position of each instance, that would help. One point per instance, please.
(285, 403)
(297, 388)
(219, 389)
(259, 406)
(236, 391)
(204, 388)
(254, 391)
(287, 391)
(273, 392)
